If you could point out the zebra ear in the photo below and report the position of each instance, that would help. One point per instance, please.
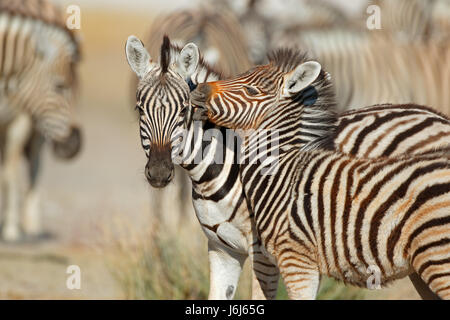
(45, 48)
(138, 57)
(188, 60)
(303, 76)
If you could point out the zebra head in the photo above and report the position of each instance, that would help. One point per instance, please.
(291, 87)
(162, 101)
(51, 91)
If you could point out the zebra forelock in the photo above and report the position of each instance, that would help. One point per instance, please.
(165, 55)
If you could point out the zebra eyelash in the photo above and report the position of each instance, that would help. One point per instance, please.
(251, 91)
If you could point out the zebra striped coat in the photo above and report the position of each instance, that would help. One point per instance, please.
(217, 192)
(217, 34)
(318, 211)
(261, 20)
(414, 20)
(38, 82)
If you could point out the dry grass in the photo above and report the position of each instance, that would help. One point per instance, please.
(165, 262)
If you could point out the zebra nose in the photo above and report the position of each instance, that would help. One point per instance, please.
(70, 147)
(159, 176)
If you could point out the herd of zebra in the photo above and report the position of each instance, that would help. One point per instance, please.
(357, 183)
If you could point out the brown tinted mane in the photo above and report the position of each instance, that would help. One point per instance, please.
(286, 59)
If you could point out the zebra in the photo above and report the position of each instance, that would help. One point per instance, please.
(370, 68)
(221, 39)
(163, 102)
(261, 20)
(318, 211)
(218, 34)
(217, 191)
(38, 83)
(414, 20)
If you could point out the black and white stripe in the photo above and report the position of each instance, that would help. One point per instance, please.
(216, 190)
(324, 212)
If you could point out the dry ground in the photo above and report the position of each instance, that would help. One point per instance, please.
(105, 183)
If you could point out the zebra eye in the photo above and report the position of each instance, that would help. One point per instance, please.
(183, 112)
(251, 91)
(60, 87)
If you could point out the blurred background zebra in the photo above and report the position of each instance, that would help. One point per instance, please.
(415, 20)
(407, 60)
(263, 20)
(39, 56)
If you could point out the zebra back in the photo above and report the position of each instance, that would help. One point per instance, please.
(217, 34)
(369, 69)
(319, 211)
(414, 20)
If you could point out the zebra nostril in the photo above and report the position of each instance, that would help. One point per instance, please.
(160, 175)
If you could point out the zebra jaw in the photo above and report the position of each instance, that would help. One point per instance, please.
(199, 113)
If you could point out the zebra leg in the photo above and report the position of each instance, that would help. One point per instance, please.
(421, 287)
(299, 270)
(31, 213)
(16, 137)
(434, 272)
(430, 259)
(225, 269)
(265, 275)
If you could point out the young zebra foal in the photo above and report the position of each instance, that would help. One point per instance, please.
(322, 212)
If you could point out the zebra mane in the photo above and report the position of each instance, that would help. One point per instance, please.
(165, 54)
(317, 102)
(286, 59)
(45, 11)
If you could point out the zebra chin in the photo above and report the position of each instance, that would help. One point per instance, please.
(70, 147)
(159, 170)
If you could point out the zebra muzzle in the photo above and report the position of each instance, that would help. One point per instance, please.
(70, 147)
(159, 170)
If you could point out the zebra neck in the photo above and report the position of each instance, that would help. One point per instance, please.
(306, 122)
(207, 149)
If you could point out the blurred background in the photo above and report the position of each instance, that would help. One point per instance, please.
(98, 211)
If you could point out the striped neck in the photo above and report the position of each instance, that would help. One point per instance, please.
(305, 121)
(207, 149)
